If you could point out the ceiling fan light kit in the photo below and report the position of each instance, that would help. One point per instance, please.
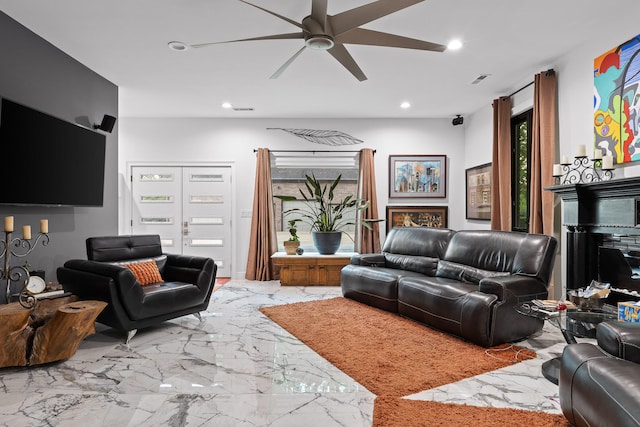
(321, 31)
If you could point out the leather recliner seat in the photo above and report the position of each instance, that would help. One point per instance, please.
(465, 283)
(600, 385)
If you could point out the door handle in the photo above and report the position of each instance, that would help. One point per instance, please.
(185, 228)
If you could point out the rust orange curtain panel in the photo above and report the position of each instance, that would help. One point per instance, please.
(263, 242)
(368, 241)
(501, 181)
(543, 143)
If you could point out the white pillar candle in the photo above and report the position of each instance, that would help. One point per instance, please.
(26, 232)
(597, 154)
(8, 224)
(557, 170)
(44, 226)
(581, 151)
(565, 160)
(607, 162)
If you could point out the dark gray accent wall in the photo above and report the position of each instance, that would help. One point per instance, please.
(35, 73)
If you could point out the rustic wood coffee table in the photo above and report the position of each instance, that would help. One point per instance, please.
(52, 330)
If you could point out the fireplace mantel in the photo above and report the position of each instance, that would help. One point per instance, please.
(591, 210)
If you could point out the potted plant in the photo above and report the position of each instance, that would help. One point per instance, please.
(291, 245)
(327, 217)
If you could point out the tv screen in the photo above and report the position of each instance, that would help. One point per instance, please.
(48, 161)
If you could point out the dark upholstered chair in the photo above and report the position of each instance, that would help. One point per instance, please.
(600, 385)
(186, 287)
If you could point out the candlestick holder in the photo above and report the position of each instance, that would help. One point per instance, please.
(583, 170)
(18, 247)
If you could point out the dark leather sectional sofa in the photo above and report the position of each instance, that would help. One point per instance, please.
(600, 385)
(465, 283)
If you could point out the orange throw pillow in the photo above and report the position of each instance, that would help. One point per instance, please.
(146, 273)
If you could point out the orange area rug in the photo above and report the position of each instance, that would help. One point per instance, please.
(386, 353)
(396, 412)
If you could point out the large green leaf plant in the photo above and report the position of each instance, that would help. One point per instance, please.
(321, 212)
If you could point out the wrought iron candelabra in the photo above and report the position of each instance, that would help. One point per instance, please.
(20, 247)
(583, 169)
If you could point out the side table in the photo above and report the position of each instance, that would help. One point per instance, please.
(52, 330)
(573, 323)
(310, 269)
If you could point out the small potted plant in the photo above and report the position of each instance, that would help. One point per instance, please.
(291, 245)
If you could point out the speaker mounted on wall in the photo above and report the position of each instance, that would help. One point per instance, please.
(108, 122)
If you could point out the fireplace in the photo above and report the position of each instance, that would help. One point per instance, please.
(599, 214)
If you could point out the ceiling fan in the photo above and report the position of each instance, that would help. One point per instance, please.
(321, 31)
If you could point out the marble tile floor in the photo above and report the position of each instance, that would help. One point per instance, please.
(235, 368)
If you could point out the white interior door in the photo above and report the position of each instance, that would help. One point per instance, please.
(189, 207)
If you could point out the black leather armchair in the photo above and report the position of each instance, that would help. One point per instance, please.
(600, 385)
(187, 287)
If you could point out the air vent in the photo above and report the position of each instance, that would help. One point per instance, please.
(480, 78)
(242, 108)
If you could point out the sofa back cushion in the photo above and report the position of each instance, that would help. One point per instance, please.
(504, 252)
(416, 248)
(465, 273)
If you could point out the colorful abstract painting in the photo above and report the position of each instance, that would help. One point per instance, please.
(616, 120)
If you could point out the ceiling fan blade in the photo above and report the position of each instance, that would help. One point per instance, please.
(284, 18)
(319, 12)
(376, 38)
(343, 56)
(286, 64)
(358, 16)
(273, 37)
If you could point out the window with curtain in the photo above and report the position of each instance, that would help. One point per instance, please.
(521, 170)
(288, 170)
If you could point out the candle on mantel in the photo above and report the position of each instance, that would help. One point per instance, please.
(597, 154)
(44, 226)
(557, 170)
(581, 151)
(26, 232)
(565, 160)
(8, 224)
(607, 162)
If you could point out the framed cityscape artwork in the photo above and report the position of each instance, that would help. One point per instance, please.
(417, 216)
(418, 176)
(478, 183)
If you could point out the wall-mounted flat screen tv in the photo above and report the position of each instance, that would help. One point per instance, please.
(48, 161)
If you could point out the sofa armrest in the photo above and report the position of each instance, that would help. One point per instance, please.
(597, 389)
(620, 339)
(200, 271)
(370, 260)
(88, 278)
(514, 287)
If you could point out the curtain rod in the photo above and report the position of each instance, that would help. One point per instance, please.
(255, 150)
(549, 72)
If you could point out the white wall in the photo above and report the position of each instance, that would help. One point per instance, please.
(575, 117)
(233, 140)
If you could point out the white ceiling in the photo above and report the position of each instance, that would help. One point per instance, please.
(125, 41)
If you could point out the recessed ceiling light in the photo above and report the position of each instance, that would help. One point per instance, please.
(405, 105)
(226, 105)
(178, 46)
(454, 44)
